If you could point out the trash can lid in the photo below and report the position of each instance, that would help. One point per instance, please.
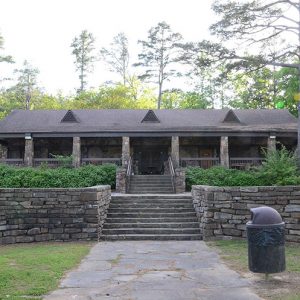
(265, 215)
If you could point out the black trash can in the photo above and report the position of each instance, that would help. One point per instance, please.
(265, 232)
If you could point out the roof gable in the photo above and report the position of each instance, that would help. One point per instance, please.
(69, 117)
(150, 117)
(231, 117)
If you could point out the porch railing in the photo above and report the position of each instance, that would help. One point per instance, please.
(172, 172)
(50, 162)
(128, 174)
(245, 162)
(202, 162)
(13, 161)
(101, 161)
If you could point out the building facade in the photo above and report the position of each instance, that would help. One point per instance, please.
(147, 139)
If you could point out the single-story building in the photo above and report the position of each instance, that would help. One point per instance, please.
(196, 137)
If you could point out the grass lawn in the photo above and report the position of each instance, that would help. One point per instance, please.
(280, 286)
(32, 270)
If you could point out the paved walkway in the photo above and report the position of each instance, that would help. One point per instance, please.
(153, 270)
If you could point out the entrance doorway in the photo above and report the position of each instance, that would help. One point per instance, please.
(150, 155)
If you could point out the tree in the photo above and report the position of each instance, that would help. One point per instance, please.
(250, 26)
(27, 83)
(160, 51)
(83, 47)
(4, 58)
(117, 56)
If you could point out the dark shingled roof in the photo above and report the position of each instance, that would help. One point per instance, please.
(117, 120)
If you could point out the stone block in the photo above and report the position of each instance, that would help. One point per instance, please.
(24, 239)
(219, 215)
(232, 232)
(292, 208)
(34, 231)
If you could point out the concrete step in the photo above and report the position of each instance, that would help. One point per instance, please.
(152, 225)
(150, 176)
(151, 215)
(136, 190)
(161, 237)
(138, 205)
(151, 185)
(150, 210)
(153, 220)
(153, 197)
(119, 231)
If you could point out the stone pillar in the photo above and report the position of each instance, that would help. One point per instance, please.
(3, 152)
(272, 143)
(125, 150)
(121, 180)
(76, 153)
(29, 152)
(179, 180)
(224, 151)
(175, 151)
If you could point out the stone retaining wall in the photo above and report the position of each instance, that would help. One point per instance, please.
(35, 215)
(224, 211)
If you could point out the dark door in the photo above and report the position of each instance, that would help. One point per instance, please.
(206, 153)
(151, 159)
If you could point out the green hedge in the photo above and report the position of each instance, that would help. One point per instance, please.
(279, 168)
(90, 175)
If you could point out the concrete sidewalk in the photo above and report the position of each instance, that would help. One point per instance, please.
(153, 270)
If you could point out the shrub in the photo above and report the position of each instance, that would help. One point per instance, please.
(90, 175)
(220, 176)
(279, 168)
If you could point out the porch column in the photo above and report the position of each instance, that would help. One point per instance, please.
(29, 151)
(224, 151)
(271, 143)
(76, 153)
(3, 152)
(175, 151)
(125, 150)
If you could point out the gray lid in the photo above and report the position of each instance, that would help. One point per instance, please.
(265, 216)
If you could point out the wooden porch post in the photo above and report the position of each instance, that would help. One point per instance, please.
(125, 150)
(224, 151)
(175, 151)
(3, 152)
(29, 151)
(272, 143)
(76, 153)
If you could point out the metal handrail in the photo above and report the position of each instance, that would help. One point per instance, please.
(172, 172)
(128, 174)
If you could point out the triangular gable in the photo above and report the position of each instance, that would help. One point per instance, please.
(231, 117)
(69, 117)
(150, 117)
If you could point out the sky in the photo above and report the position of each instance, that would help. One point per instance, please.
(41, 31)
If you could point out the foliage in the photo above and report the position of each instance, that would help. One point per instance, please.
(220, 176)
(26, 84)
(90, 175)
(64, 161)
(279, 168)
(117, 56)
(83, 47)
(159, 53)
(35, 269)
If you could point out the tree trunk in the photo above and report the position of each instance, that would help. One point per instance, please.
(159, 94)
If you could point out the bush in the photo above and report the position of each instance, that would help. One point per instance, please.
(90, 175)
(220, 176)
(279, 168)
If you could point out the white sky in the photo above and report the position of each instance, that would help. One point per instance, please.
(41, 31)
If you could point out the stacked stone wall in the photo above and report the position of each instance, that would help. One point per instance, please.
(36, 215)
(224, 211)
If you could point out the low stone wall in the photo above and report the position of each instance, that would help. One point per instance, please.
(35, 215)
(224, 211)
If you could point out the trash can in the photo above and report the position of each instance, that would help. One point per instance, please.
(266, 235)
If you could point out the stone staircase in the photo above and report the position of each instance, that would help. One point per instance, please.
(151, 184)
(151, 217)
